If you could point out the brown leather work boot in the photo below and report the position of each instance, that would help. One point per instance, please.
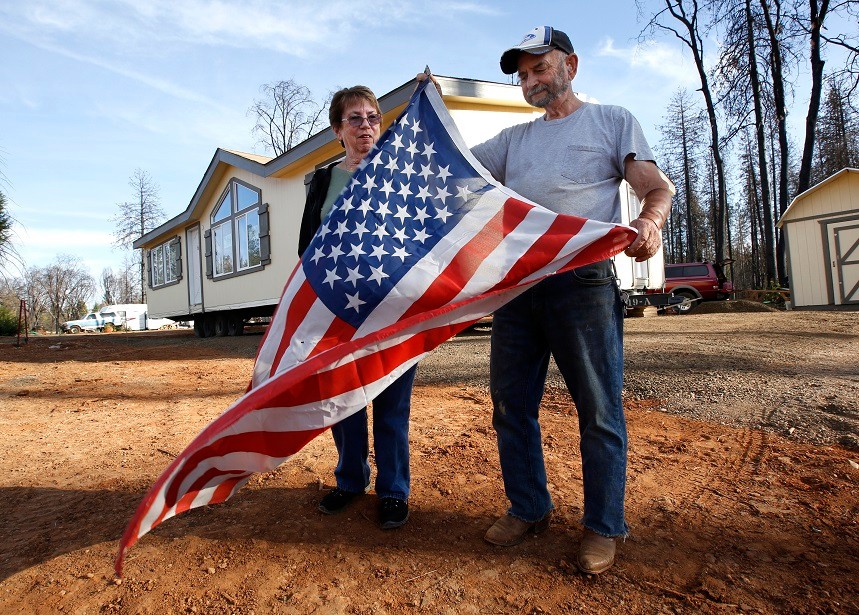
(509, 530)
(596, 553)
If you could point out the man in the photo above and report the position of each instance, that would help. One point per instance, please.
(572, 161)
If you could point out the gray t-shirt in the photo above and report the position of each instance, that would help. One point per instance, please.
(573, 165)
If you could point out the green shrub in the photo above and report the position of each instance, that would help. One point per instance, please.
(8, 322)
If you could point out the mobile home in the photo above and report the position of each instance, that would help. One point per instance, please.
(227, 256)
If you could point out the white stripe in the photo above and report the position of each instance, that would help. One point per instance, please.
(268, 350)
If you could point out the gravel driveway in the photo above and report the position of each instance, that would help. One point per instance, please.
(794, 373)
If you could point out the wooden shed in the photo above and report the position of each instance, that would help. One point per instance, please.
(821, 229)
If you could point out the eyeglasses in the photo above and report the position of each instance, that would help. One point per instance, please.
(356, 121)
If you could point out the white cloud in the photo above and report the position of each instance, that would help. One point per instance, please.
(296, 27)
(662, 60)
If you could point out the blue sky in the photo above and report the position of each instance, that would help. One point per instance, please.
(93, 89)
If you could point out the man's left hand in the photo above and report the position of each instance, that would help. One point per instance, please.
(647, 243)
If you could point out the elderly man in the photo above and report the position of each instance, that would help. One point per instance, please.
(572, 161)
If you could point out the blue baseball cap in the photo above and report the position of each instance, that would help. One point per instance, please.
(541, 39)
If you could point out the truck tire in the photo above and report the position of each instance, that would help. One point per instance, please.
(689, 301)
(74, 329)
(221, 324)
(235, 325)
(204, 326)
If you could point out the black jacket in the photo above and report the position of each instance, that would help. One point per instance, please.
(312, 216)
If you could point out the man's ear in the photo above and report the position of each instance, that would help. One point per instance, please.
(572, 61)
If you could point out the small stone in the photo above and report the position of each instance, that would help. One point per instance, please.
(117, 581)
(210, 570)
(853, 464)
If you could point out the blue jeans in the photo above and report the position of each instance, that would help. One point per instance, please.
(390, 441)
(576, 317)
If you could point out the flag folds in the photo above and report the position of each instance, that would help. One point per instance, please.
(421, 244)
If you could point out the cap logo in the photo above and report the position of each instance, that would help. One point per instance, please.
(527, 38)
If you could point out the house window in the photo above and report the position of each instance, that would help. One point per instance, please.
(237, 241)
(165, 264)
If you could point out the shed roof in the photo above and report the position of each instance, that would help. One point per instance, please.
(800, 197)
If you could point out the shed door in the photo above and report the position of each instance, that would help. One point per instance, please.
(195, 281)
(845, 246)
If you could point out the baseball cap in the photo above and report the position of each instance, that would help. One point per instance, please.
(541, 39)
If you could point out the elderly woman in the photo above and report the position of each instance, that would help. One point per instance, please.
(356, 119)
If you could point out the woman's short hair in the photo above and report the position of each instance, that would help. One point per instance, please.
(347, 96)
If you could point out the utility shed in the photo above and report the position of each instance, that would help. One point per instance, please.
(821, 228)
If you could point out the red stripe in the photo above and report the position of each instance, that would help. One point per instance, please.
(277, 309)
(258, 442)
(339, 332)
(461, 268)
(295, 315)
(543, 250)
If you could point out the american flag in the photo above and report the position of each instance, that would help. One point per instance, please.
(421, 244)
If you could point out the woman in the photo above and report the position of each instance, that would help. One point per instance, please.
(356, 118)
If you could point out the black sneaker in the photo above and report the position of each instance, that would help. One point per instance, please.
(393, 513)
(336, 500)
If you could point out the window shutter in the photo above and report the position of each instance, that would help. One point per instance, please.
(149, 266)
(178, 258)
(264, 235)
(207, 236)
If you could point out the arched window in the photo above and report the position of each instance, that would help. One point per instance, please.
(237, 241)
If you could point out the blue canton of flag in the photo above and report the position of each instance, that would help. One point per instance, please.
(406, 195)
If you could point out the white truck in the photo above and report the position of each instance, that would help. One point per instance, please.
(134, 317)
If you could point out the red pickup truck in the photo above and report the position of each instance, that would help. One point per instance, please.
(694, 282)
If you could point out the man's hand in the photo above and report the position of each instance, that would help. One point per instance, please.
(647, 243)
(423, 77)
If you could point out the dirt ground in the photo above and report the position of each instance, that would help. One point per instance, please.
(743, 489)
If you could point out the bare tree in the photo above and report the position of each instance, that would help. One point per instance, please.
(63, 287)
(683, 19)
(137, 217)
(837, 134)
(681, 150)
(286, 114)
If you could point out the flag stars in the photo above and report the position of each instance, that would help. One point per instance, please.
(341, 229)
(421, 235)
(442, 214)
(397, 143)
(405, 191)
(365, 207)
(354, 302)
(400, 234)
(426, 170)
(392, 165)
(388, 187)
(416, 127)
(347, 204)
(370, 183)
(408, 170)
(353, 276)
(442, 194)
(383, 209)
(401, 253)
(402, 213)
(423, 193)
(428, 150)
(317, 255)
(421, 214)
(412, 149)
(379, 252)
(404, 121)
(356, 251)
(377, 160)
(377, 275)
(462, 192)
(331, 277)
(444, 173)
(360, 229)
(335, 253)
